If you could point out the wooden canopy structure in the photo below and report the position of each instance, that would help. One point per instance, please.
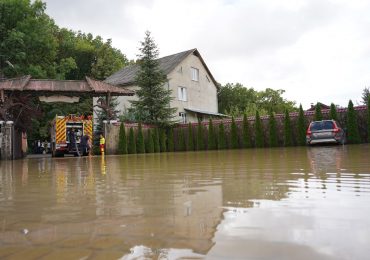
(68, 88)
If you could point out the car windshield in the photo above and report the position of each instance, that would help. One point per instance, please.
(322, 125)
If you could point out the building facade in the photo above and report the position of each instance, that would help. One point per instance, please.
(194, 89)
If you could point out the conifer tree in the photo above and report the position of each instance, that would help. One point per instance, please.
(301, 125)
(246, 133)
(234, 135)
(149, 142)
(122, 142)
(140, 145)
(221, 136)
(163, 140)
(368, 119)
(131, 142)
(333, 112)
(318, 114)
(181, 146)
(170, 143)
(190, 145)
(211, 136)
(352, 125)
(273, 136)
(153, 104)
(200, 137)
(157, 147)
(258, 130)
(288, 138)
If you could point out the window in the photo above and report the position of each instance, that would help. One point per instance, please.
(183, 117)
(182, 94)
(194, 74)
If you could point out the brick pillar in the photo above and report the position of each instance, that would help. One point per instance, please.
(6, 140)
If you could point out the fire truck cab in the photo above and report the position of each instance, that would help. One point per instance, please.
(61, 128)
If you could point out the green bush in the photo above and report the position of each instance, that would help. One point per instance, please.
(273, 135)
(246, 133)
(163, 140)
(170, 144)
(157, 147)
(181, 146)
(352, 125)
(122, 141)
(211, 136)
(131, 142)
(258, 131)
(221, 136)
(333, 112)
(190, 145)
(318, 114)
(200, 137)
(234, 135)
(301, 127)
(368, 119)
(288, 136)
(149, 142)
(140, 145)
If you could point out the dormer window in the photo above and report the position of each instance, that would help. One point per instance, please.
(194, 74)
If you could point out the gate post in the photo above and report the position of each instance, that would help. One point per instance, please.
(7, 139)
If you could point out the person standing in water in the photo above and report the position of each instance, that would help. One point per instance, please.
(102, 144)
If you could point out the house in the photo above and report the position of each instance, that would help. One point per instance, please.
(322, 106)
(194, 89)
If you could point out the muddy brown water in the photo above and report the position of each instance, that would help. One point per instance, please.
(283, 203)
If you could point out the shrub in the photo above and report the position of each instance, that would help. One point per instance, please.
(170, 144)
(301, 127)
(273, 137)
(221, 136)
(234, 134)
(200, 141)
(122, 141)
(352, 126)
(258, 130)
(211, 136)
(131, 142)
(333, 112)
(140, 145)
(288, 137)
(157, 147)
(190, 138)
(318, 114)
(246, 133)
(181, 140)
(163, 140)
(149, 142)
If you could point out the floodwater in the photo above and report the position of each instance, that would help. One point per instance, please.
(283, 203)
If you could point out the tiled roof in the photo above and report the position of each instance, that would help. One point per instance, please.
(126, 76)
(89, 86)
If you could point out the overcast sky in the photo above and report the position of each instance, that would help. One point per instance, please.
(316, 50)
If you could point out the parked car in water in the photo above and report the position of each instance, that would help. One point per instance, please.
(325, 131)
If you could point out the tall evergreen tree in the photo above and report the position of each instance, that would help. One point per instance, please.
(258, 130)
(140, 145)
(122, 142)
(149, 142)
(200, 137)
(170, 144)
(131, 142)
(211, 136)
(181, 146)
(163, 140)
(273, 136)
(190, 145)
(352, 125)
(153, 103)
(234, 135)
(157, 147)
(318, 114)
(368, 119)
(221, 137)
(333, 112)
(288, 135)
(301, 125)
(246, 133)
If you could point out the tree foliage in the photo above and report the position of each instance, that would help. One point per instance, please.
(234, 135)
(163, 140)
(221, 142)
(273, 135)
(258, 130)
(352, 125)
(157, 146)
(190, 145)
(246, 136)
(288, 134)
(301, 125)
(149, 147)
(131, 142)
(140, 144)
(122, 141)
(318, 114)
(368, 119)
(211, 136)
(333, 112)
(200, 137)
(170, 142)
(153, 99)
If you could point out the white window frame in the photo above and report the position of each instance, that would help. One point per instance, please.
(183, 117)
(182, 93)
(194, 74)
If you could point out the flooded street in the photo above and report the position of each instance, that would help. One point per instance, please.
(283, 203)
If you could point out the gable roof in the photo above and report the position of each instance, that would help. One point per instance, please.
(126, 76)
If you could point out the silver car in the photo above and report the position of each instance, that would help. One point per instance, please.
(325, 131)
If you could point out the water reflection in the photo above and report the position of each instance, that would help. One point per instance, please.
(189, 204)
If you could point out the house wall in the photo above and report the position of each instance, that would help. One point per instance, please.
(201, 95)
